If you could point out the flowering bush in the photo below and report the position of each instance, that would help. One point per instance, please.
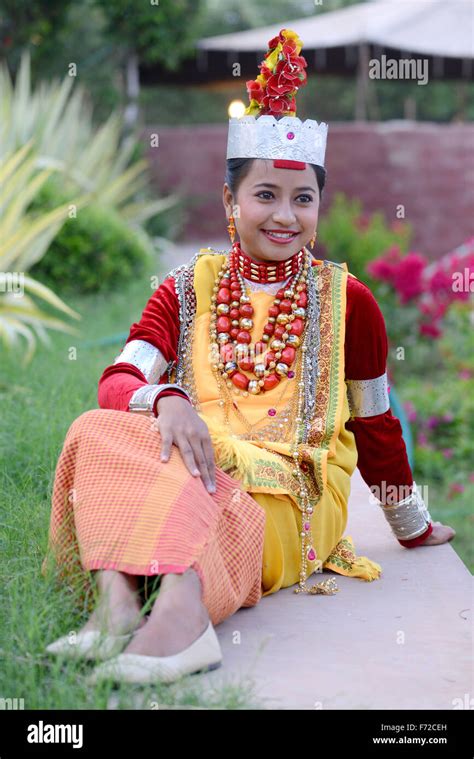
(348, 234)
(439, 403)
(436, 375)
(430, 288)
(444, 446)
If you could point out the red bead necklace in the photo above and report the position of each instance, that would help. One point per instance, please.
(266, 271)
(231, 323)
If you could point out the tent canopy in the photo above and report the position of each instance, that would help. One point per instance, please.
(342, 41)
(429, 27)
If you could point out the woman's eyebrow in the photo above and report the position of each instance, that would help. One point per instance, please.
(275, 186)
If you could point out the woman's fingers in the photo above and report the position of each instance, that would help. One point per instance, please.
(211, 464)
(188, 455)
(191, 436)
(202, 463)
(166, 443)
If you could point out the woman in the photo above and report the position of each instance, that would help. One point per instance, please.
(254, 383)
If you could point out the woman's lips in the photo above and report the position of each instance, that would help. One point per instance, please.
(279, 240)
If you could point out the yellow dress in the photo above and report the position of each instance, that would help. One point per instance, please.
(262, 464)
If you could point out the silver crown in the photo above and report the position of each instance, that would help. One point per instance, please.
(286, 138)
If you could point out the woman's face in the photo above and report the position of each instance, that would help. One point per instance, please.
(280, 200)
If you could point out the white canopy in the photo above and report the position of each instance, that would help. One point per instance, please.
(442, 28)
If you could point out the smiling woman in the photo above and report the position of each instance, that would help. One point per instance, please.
(233, 419)
(272, 205)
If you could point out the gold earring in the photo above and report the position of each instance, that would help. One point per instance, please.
(231, 229)
(313, 239)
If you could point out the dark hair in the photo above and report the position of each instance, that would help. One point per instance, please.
(238, 168)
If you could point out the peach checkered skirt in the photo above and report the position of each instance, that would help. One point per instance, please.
(117, 506)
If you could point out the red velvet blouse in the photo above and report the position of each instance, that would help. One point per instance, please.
(366, 349)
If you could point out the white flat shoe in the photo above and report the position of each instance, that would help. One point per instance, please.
(202, 655)
(89, 645)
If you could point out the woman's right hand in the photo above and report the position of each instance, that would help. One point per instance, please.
(179, 423)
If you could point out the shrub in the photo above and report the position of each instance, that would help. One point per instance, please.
(95, 251)
(353, 237)
(25, 236)
(421, 292)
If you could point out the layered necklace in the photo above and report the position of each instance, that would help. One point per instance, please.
(269, 360)
(231, 322)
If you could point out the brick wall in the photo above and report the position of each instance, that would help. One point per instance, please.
(429, 168)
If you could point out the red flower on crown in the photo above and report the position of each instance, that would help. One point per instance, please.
(282, 73)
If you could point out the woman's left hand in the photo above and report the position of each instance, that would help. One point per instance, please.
(442, 533)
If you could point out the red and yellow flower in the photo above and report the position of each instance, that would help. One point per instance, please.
(282, 73)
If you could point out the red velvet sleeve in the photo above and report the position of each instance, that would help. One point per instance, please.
(382, 455)
(158, 325)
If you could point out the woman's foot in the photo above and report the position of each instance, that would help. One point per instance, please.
(118, 611)
(178, 618)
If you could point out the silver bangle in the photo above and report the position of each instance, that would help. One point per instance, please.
(408, 518)
(144, 398)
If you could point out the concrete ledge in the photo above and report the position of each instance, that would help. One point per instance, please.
(401, 642)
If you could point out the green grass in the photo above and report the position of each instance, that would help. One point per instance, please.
(38, 403)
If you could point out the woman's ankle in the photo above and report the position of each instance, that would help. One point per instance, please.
(183, 594)
(188, 579)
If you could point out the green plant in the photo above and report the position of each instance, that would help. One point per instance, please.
(94, 251)
(355, 238)
(24, 238)
(58, 115)
(439, 401)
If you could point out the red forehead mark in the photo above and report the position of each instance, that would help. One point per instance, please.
(284, 164)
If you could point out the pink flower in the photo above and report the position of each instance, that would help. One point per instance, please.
(430, 330)
(425, 308)
(433, 422)
(440, 309)
(465, 374)
(440, 281)
(448, 453)
(411, 411)
(422, 440)
(455, 487)
(384, 267)
(471, 477)
(460, 294)
(408, 276)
